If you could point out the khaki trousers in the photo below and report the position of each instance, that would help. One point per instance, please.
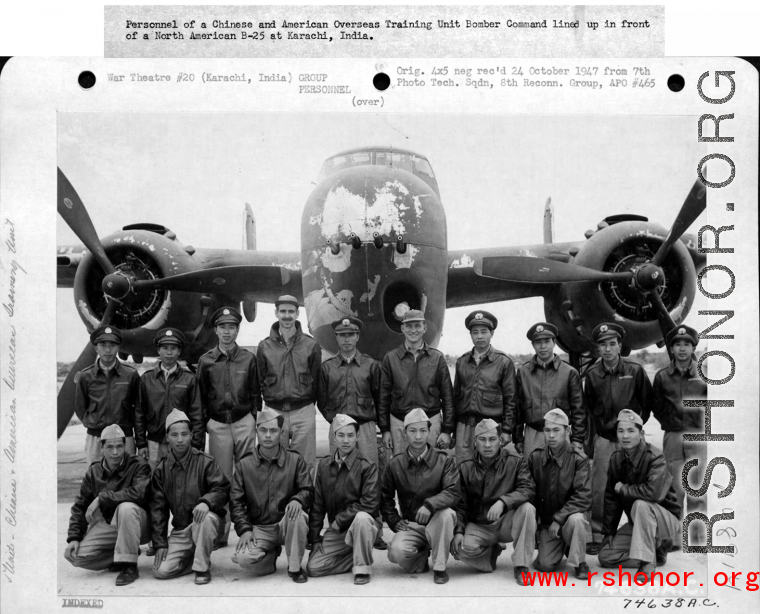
(398, 434)
(652, 528)
(533, 439)
(260, 561)
(603, 450)
(573, 535)
(156, 451)
(117, 542)
(94, 453)
(465, 442)
(411, 548)
(343, 552)
(190, 548)
(228, 443)
(677, 452)
(299, 433)
(517, 526)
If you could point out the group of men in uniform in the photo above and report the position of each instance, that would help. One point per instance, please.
(519, 472)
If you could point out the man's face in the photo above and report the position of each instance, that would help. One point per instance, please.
(682, 350)
(555, 434)
(628, 435)
(544, 348)
(487, 444)
(227, 332)
(107, 351)
(413, 331)
(113, 451)
(347, 342)
(481, 337)
(178, 437)
(609, 349)
(268, 434)
(168, 353)
(416, 436)
(345, 439)
(287, 315)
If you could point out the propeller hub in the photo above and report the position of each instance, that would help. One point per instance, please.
(116, 285)
(650, 277)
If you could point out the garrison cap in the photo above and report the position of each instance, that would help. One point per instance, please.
(542, 330)
(557, 416)
(267, 415)
(485, 426)
(348, 324)
(341, 420)
(607, 330)
(168, 336)
(481, 318)
(416, 415)
(224, 315)
(112, 432)
(413, 315)
(682, 333)
(105, 333)
(628, 415)
(286, 299)
(176, 416)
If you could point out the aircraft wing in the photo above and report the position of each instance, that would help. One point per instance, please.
(67, 261)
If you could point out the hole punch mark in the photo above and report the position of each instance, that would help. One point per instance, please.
(676, 83)
(86, 79)
(381, 81)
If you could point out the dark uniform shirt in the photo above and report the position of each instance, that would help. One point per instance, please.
(229, 384)
(349, 387)
(563, 482)
(262, 488)
(610, 391)
(671, 388)
(104, 397)
(342, 490)
(486, 389)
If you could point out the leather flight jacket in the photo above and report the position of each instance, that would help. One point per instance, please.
(671, 389)
(350, 388)
(158, 396)
(644, 475)
(261, 488)
(103, 398)
(507, 479)
(486, 389)
(343, 490)
(289, 374)
(541, 389)
(406, 383)
(609, 392)
(128, 483)
(179, 485)
(563, 483)
(229, 385)
(433, 481)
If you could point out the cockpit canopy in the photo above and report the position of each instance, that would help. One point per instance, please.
(381, 156)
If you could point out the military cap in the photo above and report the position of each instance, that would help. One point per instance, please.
(628, 415)
(485, 425)
(267, 415)
(416, 415)
(607, 330)
(176, 416)
(413, 315)
(224, 315)
(112, 432)
(542, 330)
(557, 416)
(682, 333)
(481, 318)
(105, 333)
(348, 324)
(286, 299)
(341, 420)
(168, 336)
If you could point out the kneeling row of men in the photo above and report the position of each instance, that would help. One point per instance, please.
(468, 511)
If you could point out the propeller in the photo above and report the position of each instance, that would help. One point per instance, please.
(67, 394)
(692, 208)
(228, 279)
(541, 270)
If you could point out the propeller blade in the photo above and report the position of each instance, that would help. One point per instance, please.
(692, 208)
(541, 270)
(67, 393)
(663, 315)
(109, 312)
(236, 279)
(72, 210)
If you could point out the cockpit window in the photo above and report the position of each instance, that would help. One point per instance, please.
(416, 165)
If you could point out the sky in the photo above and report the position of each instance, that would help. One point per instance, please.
(194, 173)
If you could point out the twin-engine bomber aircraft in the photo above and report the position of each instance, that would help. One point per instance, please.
(373, 245)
